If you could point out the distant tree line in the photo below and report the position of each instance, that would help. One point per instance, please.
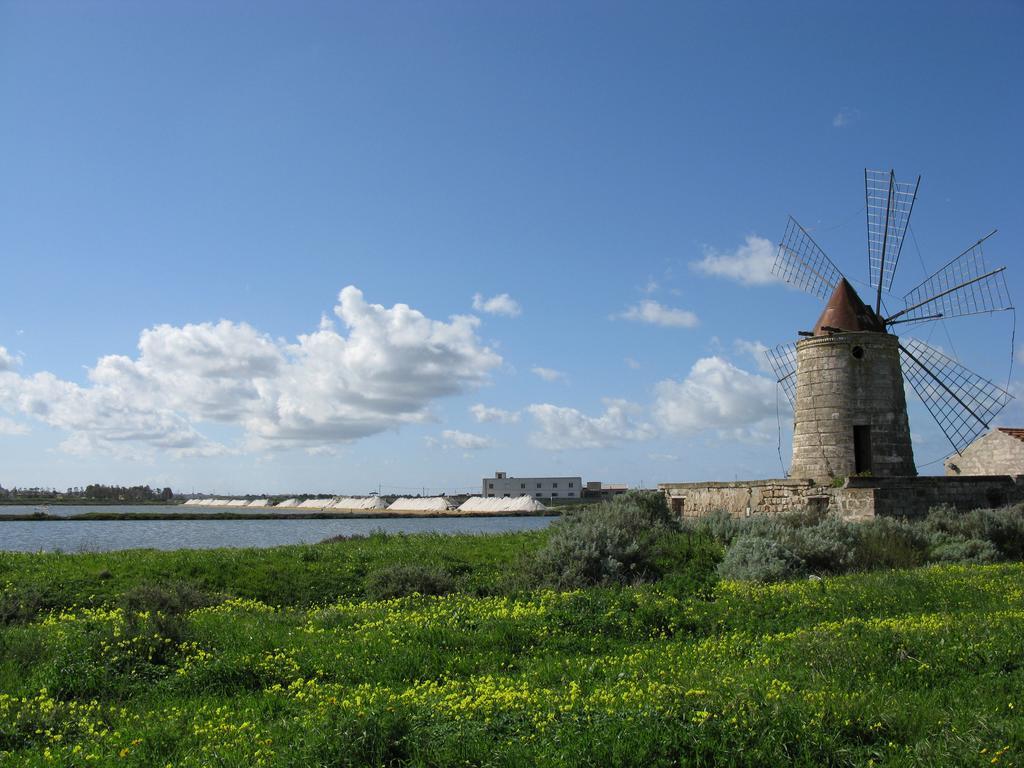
(122, 493)
(94, 494)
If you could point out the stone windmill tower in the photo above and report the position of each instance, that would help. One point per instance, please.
(845, 378)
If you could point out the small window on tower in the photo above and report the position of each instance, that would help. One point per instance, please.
(857, 352)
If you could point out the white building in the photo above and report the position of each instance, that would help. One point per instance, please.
(502, 485)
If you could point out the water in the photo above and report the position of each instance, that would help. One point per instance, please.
(108, 535)
(61, 510)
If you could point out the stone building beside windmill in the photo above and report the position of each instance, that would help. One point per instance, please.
(852, 449)
(1000, 452)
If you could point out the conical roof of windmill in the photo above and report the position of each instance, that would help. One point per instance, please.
(846, 312)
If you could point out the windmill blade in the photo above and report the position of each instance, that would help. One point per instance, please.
(964, 286)
(802, 263)
(782, 359)
(962, 402)
(889, 204)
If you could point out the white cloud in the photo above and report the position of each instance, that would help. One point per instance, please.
(483, 413)
(651, 287)
(548, 374)
(756, 350)
(632, 363)
(750, 264)
(325, 388)
(8, 361)
(321, 450)
(10, 427)
(714, 395)
(662, 457)
(562, 428)
(649, 311)
(844, 117)
(502, 304)
(466, 440)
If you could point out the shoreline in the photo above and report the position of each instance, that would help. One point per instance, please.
(359, 515)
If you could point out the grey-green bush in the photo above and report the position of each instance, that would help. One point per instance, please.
(807, 543)
(1003, 527)
(955, 550)
(758, 558)
(610, 543)
(885, 542)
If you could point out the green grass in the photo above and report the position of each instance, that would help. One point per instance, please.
(273, 658)
(293, 575)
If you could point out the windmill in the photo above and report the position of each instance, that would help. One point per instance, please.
(845, 379)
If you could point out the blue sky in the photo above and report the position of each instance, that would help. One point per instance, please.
(166, 168)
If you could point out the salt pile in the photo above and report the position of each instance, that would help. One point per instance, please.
(358, 504)
(495, 505)
(430, 504)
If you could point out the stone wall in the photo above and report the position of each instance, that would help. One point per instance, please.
(997, 453)
(914, 496)
(857, 498)
(743, 498)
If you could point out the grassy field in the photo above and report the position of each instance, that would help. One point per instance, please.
(275, 658)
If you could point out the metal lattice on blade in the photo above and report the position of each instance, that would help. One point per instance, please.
(889, 204)
(800, 262)
(964, 286)
(962, 402)
(782, 359)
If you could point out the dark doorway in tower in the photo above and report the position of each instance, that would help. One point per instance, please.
(862, 448)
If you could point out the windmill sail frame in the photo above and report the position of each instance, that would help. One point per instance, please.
(802, 263)
(888, 204)
(782, 360)
(963, 286)
(961, 402)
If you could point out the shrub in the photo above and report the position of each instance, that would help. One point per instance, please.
(885, 542)
(757, 558)
(822, 543)
(830, 546)
(401, 580)
(611, 543)
(19, 606)
(1004, 528)
(155, 614)
(686, 563)
(956, 550)
(650, 505)
(719, 525)
(171, 599)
